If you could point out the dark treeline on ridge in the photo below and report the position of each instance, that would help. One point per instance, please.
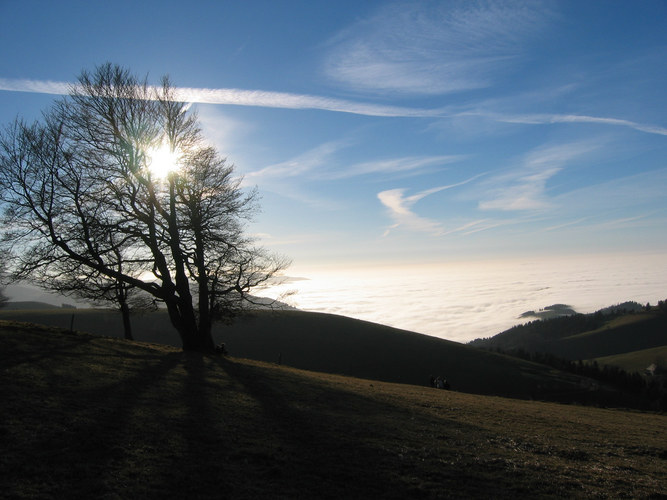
(534, 333)
(571, 344)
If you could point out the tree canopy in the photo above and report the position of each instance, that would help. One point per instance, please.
(117, 189)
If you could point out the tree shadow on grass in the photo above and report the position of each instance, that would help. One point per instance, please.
(199, 467)
(146, 423)
(332, 443)
(29, 345)
(328, 442)
(68, 432)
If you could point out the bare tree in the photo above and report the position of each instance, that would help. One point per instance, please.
(74, 279)
(85, 203)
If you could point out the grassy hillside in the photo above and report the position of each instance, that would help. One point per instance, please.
(91, 417)
(625, 334)
(585, 336)
(336, 344)
(98, 321)
(636, 361)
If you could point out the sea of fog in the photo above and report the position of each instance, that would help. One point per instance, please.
(463, 301)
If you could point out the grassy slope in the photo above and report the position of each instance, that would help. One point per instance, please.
(91, 417)
(636, 361)
(621, 335)
(336, 344)
(629, 333)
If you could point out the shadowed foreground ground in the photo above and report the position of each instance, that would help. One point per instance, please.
(90, 417)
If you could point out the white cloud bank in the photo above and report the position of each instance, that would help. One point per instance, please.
(462, 301)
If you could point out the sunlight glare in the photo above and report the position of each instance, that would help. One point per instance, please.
(162, 161)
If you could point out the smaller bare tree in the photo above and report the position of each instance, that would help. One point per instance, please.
(96, 288)
(3, 298)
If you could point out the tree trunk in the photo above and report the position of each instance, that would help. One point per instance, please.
(194, 337)
(199, 340)
(127, 326)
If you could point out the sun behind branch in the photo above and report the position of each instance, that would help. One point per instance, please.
(162, 161)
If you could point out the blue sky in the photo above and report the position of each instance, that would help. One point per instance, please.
(396, 132)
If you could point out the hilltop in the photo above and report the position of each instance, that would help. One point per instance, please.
(609, 332)
(85, 416)
(336, 344)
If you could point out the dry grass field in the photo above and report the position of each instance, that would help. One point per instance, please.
(91, 417)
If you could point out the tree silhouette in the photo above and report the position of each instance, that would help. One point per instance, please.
(3, 297)
(84, 203)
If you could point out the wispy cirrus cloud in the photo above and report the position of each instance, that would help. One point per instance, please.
(546, 118)
(404, 165)
(604, 206)
(241, 97)
(480, 225)
(569, 223)
(434, 48)
(526, 192)
(269, 99)
(628, 221)
(400, 208)
(524, 187)
(36, 86)
(604, 222)
(320, 163)
(313, 160)
(633, 194)
(284, 100)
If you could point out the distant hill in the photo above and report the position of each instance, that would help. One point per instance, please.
(548, 312)
(336, 344)
(83, 416)
(609, 333)
(25, 305)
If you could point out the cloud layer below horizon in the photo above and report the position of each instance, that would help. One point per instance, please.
(464, 301)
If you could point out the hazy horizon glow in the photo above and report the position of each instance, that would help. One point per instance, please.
(403, 135)
(463, 301)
